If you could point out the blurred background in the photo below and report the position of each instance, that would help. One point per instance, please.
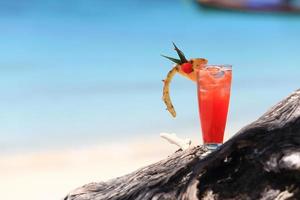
(81, 85)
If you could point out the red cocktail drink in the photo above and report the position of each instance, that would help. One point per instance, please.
(213, 83)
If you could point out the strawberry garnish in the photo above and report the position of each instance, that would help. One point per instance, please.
(187, 68)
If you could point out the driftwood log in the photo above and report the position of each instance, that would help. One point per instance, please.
(262, 161)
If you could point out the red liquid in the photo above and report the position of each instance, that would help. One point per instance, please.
(213, 85)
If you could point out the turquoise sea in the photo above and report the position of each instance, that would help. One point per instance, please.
(79, 73)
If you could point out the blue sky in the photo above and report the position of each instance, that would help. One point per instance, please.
(75, 73)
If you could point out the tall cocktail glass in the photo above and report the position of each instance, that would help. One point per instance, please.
(213, 86)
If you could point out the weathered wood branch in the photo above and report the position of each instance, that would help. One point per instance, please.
(262, 161)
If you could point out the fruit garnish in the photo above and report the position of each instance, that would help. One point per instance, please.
(184, 67)
(187, 67)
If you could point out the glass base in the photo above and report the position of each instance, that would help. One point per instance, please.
(212, 146)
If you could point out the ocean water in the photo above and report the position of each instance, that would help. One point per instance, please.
(79, 73)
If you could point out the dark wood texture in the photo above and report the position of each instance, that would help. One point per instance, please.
(262, 161)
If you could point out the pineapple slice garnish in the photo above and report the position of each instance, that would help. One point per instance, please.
(186, 68)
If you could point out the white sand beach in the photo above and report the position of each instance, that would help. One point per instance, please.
(50, 175)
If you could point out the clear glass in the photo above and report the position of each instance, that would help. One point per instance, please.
(213, 87)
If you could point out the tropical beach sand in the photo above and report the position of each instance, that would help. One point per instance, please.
(50, 175)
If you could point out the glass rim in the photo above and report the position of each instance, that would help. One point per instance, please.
(224, 66)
